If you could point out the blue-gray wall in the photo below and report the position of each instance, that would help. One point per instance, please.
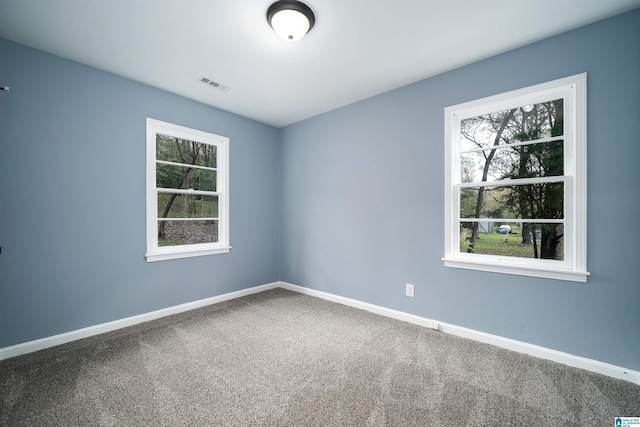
(363, 201)
(72, 199)
(349, 202)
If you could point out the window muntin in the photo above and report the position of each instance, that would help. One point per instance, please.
(525, 201)
(507, 242)
(188, 232)
(518, 159)
(170, 175)
(534, 159)
(187, 192)
(173, 205)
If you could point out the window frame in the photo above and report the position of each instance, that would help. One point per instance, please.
(161, 253)
(573, 268)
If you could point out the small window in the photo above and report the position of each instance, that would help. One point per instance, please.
(516, 182)
(187, 192)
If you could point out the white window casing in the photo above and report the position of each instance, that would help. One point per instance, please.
(156, 252)
(572, 267)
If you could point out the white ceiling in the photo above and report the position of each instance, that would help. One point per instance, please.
(357, 49)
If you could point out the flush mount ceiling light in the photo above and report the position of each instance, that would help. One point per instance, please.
(290, 19)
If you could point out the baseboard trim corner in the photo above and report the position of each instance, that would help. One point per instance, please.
(483, 337)
(387, 312)
(52, 341)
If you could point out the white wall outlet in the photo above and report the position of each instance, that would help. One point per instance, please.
(409, 290)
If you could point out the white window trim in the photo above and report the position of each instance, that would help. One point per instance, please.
(574, 90)
(156, 253)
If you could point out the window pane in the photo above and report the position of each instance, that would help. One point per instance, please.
(172, 149)
(534, 201)
(180, 177)
(526, 123)
(525, 161)
(187, 206)
(173, 233)
(522, 240)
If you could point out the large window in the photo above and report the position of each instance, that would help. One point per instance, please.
(187, 192)
(516, 182)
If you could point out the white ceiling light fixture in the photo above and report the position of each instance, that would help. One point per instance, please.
(290, 19)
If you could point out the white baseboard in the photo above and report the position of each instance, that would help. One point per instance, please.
(506, 343)
(387, 312)
(43, 343)
(509, 344)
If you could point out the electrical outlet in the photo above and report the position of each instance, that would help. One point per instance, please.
(409, 290)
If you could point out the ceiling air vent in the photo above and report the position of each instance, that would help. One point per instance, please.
(214, 84)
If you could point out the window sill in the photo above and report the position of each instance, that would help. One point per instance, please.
(547, 273)
(186, 254)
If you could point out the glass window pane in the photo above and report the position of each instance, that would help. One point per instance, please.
(525, 123)
(533, 201)
(173, 233)
(180, 177)
(522, 240)
(524, 161)
(172, 149)
(187, 206)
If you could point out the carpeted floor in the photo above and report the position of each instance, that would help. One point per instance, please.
(280, 358)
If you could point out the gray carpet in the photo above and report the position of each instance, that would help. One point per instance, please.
(280, 358)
